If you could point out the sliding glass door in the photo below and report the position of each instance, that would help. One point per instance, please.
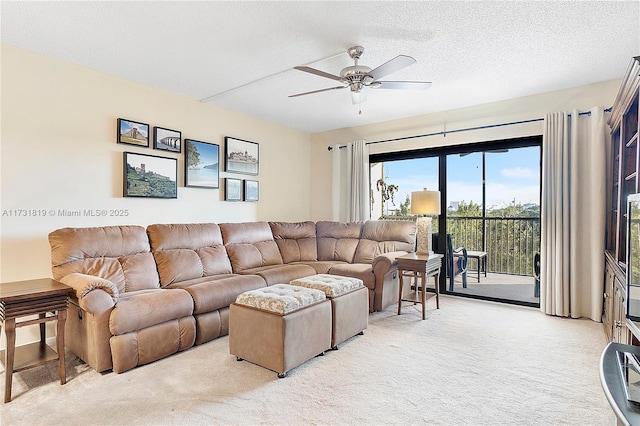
(493, 200)
(491, 195)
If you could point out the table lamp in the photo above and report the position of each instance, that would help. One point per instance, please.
(425, 203)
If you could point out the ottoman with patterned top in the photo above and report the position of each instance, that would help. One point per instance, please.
(279, 327)
(349, 303)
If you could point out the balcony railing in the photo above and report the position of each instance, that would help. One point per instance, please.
(510, 242)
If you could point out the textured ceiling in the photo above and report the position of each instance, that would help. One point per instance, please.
(240, 55)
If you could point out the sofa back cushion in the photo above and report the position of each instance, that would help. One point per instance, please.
(187, 251)
(384, 236)
(250, 245)
(120, 254)
(296, 240)
(337, 240)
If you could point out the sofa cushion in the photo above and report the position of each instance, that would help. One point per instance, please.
(384, 236)
(277, 274)
(141, 309)
(337, 240)
(188, 251)
(120, 254)
(250, 245)
(219, 291)
(320, 266)
(296, 241)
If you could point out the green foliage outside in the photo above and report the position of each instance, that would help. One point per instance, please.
(512, 234)
(405, 208)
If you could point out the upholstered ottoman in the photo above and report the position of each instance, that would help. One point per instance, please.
(349, 303)
(279, 327)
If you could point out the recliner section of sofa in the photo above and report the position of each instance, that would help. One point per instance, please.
(368, 250)
(141, 295)
(118, 317)
(193, 257)
(253, 251)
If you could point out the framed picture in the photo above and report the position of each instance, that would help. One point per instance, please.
(133, 133)
(233, 189)
(167, 139)
(150, 176)
(241, 156)
(201, 161)
(251, 190)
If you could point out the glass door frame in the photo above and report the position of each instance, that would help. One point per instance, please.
(441, 153)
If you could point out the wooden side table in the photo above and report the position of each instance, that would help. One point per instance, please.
(418, 265)
(46, 298)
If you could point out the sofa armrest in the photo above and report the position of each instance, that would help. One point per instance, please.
(94, 294)
(383, 262)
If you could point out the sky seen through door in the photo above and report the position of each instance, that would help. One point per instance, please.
(512, 177)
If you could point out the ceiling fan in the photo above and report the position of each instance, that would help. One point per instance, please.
(357, 77)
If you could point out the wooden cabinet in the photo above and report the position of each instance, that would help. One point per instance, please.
(624, 160)
(623, 180)
(607, 307)
(614, 308)
(620, 331)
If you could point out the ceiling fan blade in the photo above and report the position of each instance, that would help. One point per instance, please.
(396, 64)
(402, 85)
(318, 72)
(318, 91)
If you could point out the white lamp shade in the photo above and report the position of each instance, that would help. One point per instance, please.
(425, 202)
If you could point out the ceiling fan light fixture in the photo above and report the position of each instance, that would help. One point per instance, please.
(358, 77)
(358, 97)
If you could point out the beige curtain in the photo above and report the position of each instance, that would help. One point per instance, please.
(350, 187)
(573, 214)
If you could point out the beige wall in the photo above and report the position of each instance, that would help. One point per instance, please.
(59, 152)
(530, 107)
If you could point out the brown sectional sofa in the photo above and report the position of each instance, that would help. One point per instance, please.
(143, 294)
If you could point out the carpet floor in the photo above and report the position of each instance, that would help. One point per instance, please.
(469, 363)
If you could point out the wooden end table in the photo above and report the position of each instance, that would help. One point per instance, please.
(419, 265)
(46, 298)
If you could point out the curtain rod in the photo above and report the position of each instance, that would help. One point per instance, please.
(444, 132)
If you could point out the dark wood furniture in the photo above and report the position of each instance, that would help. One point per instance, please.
(46, 298)
(481, 258)
(623, 180)
(418, 266)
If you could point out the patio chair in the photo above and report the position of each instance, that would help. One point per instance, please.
(455, 260)
(536, 274)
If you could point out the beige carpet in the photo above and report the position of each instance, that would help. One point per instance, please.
(471, 363)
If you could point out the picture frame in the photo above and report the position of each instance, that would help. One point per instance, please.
(241, 156)
(167, 139)
(232, 189)
(251, 190)
(150, 176)
(201, 164)
(133, 133)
